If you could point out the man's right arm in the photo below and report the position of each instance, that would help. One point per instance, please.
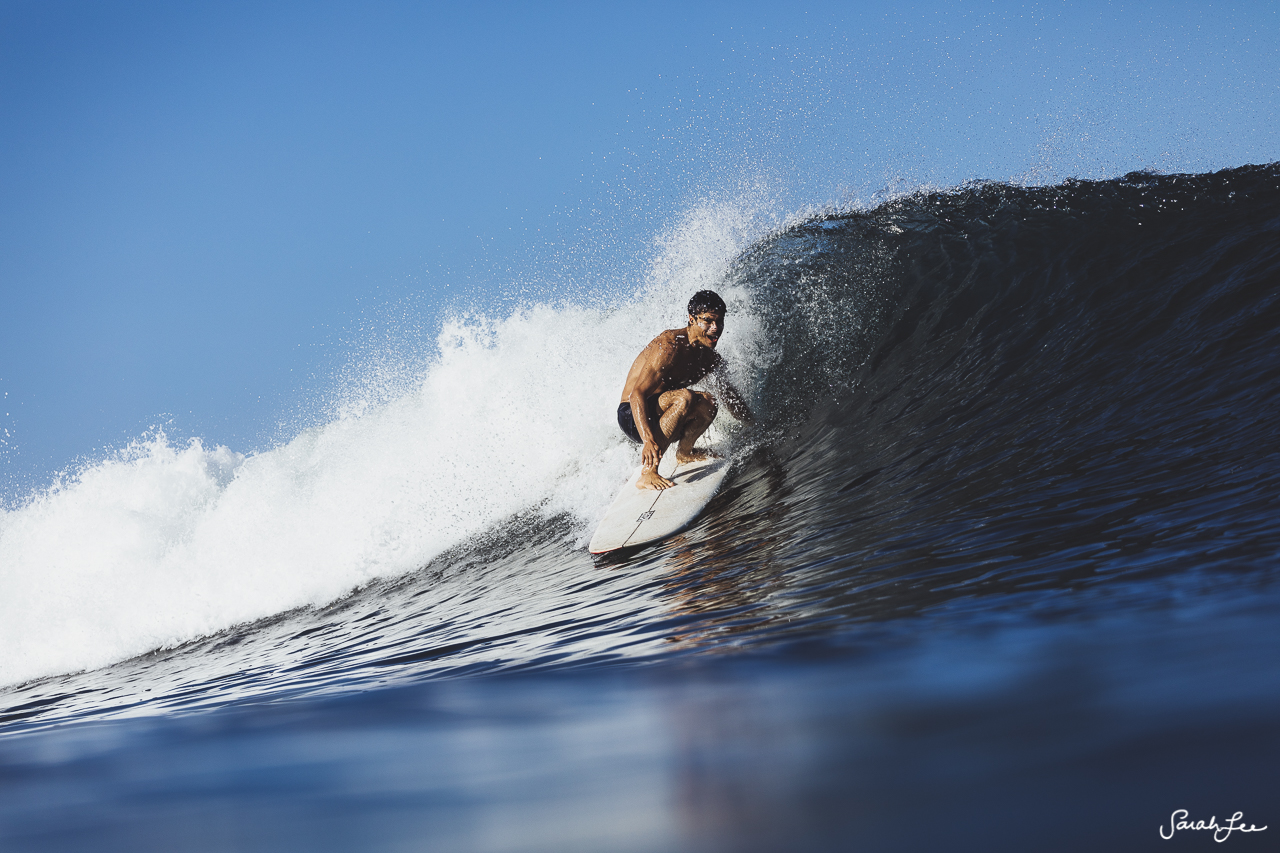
(645, 381)
(649, 457)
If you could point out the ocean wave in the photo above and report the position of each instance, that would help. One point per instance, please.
(988, 403)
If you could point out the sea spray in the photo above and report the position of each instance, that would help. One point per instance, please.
(162, 543)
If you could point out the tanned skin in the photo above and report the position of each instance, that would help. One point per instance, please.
(671, 362)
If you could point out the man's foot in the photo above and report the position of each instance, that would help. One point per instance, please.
(649, 479)
(697, 454)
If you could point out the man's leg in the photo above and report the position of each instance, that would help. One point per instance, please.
(684, 415)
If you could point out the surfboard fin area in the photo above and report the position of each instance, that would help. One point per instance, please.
(639, 516)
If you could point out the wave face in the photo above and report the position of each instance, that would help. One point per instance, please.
(988, 405)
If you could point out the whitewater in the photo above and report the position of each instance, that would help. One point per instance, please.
(160, 543)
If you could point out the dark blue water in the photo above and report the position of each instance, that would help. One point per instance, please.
(999, 572)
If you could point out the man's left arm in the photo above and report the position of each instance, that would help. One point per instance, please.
(728, 394)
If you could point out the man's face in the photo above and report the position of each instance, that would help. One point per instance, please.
(710, 322)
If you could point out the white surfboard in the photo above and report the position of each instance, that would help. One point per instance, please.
(638, 516)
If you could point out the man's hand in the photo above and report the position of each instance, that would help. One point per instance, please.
(650, 457)
(649, 477)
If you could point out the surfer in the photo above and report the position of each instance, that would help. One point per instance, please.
(657, 406)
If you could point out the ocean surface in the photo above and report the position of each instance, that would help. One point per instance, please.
(996, 571)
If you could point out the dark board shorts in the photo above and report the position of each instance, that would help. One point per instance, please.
(628, 423)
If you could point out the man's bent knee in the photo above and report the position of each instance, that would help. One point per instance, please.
(680, 399)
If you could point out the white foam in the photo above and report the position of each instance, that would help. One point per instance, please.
(159, 544)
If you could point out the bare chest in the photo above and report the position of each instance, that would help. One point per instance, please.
(689, 365)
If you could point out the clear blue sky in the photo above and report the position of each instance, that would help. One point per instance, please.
(202, 206)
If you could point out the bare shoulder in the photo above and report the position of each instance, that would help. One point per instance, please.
(672, 336)
(658, 354)
(666, 342)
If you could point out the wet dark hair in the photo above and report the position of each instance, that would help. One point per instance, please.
(706, 300)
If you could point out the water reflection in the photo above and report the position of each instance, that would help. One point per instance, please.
(1038, 737)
